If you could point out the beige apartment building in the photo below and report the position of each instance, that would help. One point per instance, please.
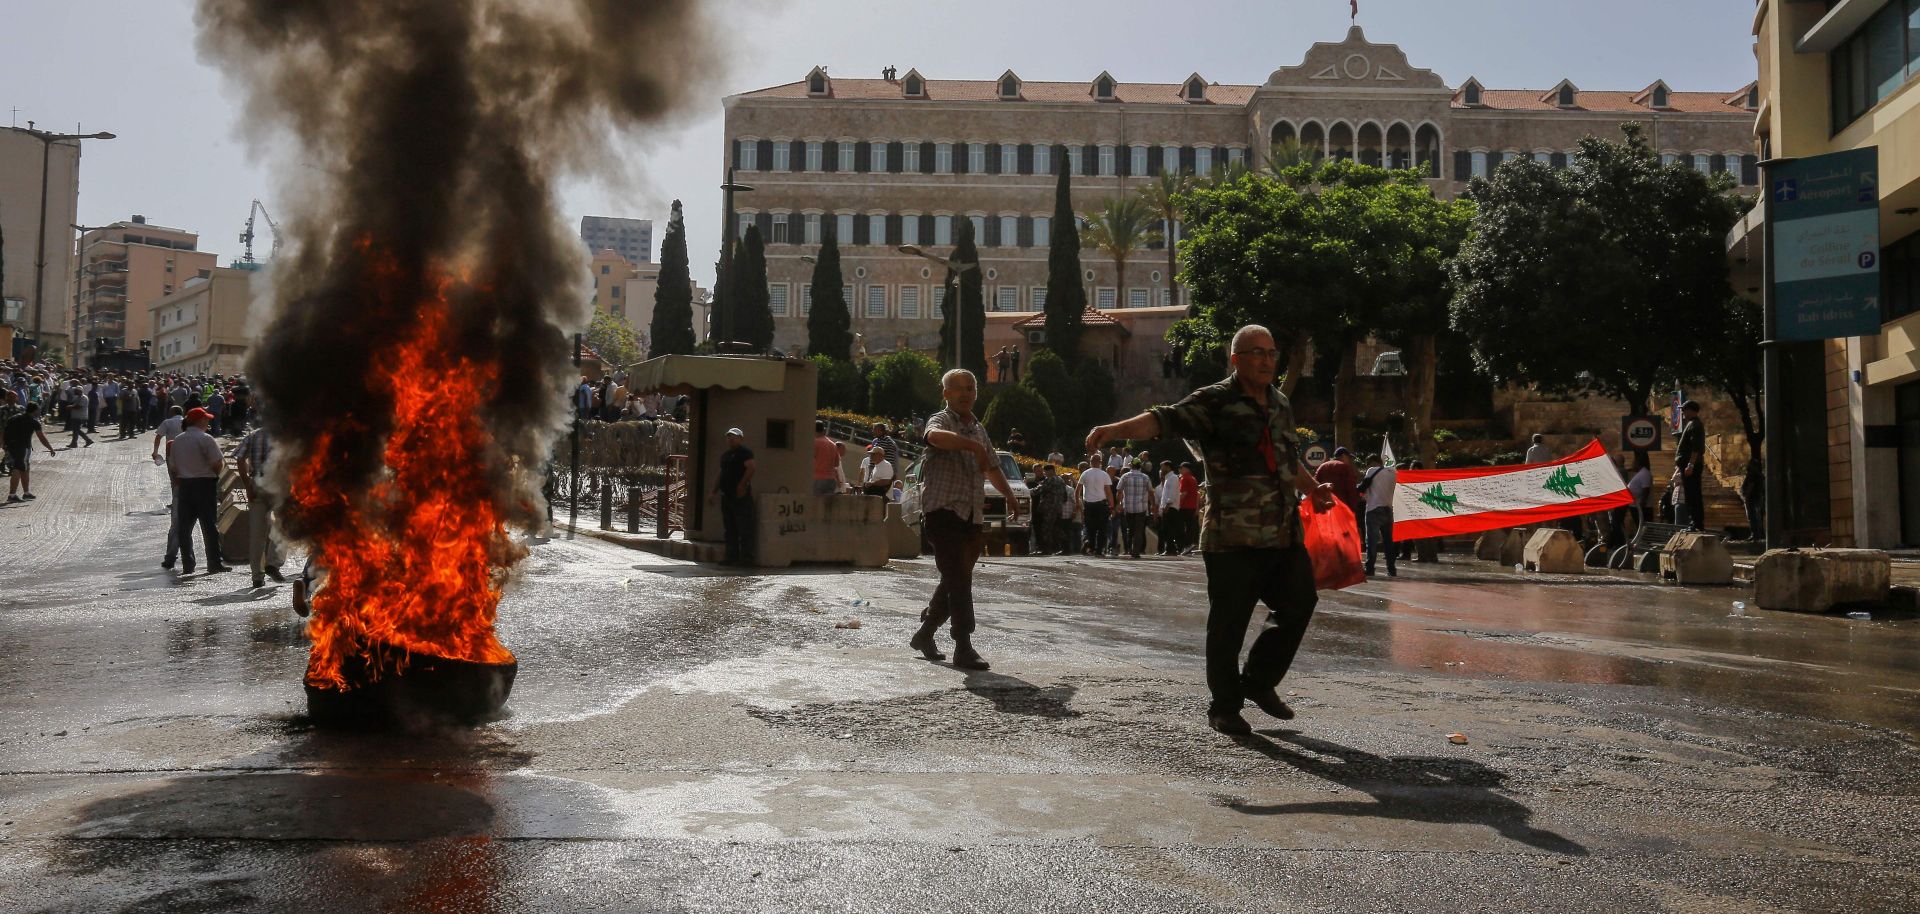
(624, 288)
(203, 328)
(1839, 76)
(899, 160)
(124, 270)
(33, 298)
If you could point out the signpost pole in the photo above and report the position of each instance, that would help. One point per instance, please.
(1773, 456)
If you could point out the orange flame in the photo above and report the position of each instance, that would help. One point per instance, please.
(414, 564)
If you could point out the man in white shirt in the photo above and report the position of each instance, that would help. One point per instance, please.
(194, 462)
(876, 472)
(1537, 452)
(1168, 499)
(1095, 487)
(1378, 484)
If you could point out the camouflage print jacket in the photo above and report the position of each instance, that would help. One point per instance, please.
(1249, 504)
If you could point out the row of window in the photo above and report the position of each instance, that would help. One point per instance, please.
(879, 301)
(1746, 168)
(1006, 230)
(978, 158)
(1874, 61)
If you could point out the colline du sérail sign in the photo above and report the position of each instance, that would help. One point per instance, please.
(1825, 219)
(1464, 501)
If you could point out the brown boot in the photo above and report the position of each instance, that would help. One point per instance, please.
(965, 657)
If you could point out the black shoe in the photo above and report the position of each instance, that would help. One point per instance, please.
(1269, 701)
(259, 582)
(167, 564)
(11, 499)
(274, 573)
(217, 569)
(923, 642)
(1232, 724)
(965, 658)
(186, 569)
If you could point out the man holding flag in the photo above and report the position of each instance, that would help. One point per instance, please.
(1250, 534)
(1379, 486)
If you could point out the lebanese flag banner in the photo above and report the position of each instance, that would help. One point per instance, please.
(1455, 502)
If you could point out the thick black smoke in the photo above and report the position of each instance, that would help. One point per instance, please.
(435, 130)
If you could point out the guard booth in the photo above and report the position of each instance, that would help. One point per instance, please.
(773, 401)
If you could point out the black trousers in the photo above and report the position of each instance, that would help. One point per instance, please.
(1136, 530)
(1097, 526)
(1696, 506)
(198, 501)
(956, 549)
(736, 520)
(1237, 580)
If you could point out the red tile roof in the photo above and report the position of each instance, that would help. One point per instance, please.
(1093, 317)
(987, 90)
(1533, 100)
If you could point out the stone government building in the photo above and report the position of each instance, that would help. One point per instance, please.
(898, 160)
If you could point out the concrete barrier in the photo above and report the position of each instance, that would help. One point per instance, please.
(1490, 545)
(1553, 551)
(820, 528)
(1696, 558)
(1514, 550)
(1817, 580)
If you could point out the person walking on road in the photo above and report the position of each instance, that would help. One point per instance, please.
(734, 489)
(194, 462)
(1167, 501)
(1251, 534)
(1378, 484)
(263, 554)
(78, 411)
(959, 458)
(1690, 460)
(17, 438)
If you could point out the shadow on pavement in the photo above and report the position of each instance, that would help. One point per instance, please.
(1013, 695)
(1415, 789)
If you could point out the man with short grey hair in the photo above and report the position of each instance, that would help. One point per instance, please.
(959, 455)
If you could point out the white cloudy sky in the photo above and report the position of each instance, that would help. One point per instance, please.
(129, 66)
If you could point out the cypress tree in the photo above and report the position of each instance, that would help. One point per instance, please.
(973, 305)
(671, 331)
(1066, 297)
(753, 305)
(721, 319)
(950, 298)
(829, 325)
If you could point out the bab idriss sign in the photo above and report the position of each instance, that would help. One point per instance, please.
(1825, 215)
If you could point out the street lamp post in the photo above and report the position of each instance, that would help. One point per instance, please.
(40, 245)
(726, 258)
(954, 268)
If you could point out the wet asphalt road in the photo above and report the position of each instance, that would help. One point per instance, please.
(688, 739)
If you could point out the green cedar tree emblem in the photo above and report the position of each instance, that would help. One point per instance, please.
(1562, 483)
(1438, 499)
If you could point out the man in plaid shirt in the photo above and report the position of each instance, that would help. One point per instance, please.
(959, 455)
(1136, 502)
(263, 554)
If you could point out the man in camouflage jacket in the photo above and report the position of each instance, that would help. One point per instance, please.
(1250, 532)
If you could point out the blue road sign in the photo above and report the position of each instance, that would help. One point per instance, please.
(1825, 221)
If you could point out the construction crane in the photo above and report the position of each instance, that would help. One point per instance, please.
(246, 238)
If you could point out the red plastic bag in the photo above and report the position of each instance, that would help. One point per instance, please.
(1333, 542)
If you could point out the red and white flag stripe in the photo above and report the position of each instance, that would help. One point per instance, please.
(1456, 502)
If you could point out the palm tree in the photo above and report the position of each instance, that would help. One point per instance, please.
(1122, 226)
(1162, 197)
(1288, 153)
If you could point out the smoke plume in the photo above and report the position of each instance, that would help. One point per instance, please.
(428, 243)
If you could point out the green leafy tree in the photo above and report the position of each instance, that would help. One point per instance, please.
(1019, 407)
(671, 331)
(840, 385)
(1066, 306)
(968, 306)
(1048, 376)
(903, 384)
(1600, 276)
(1122, 226)
(611, 336)
(1162, 195)
(1729, 359)
(1327, 255)
(753, 310)
(829, 324)
(1093, 384)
